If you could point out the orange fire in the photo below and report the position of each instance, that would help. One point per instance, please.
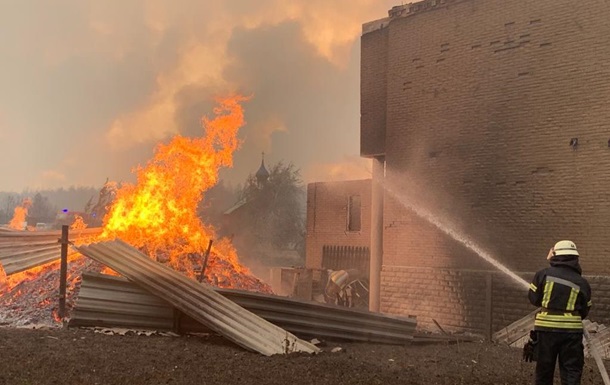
(25, 276)
(3, 281)
(78, 224)
(20, 214)
(158, 214)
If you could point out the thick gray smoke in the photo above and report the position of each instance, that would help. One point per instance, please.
(89, 87)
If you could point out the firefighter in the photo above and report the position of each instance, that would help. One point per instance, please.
(565, 299)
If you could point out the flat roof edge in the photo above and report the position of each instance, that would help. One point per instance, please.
(375, 25)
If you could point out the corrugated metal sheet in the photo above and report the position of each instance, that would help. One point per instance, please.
(600, 337)
(515, 331)
(23, 250)
(105, 300)
(28, 236)
(320, 320)
(114, 301)
(197, 300)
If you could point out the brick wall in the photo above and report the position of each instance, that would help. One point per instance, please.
(483, 98)
(435, 294)
(327, 217)
(373, 97)
(468, 300)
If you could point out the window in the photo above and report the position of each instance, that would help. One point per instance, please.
(353, 213)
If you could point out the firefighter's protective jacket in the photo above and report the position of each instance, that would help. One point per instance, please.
(563, 294)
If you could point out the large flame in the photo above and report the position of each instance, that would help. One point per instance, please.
(20, 214)
(158, 214)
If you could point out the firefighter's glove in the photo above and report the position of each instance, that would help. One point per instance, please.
(529, 349)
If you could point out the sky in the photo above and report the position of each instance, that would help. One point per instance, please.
(89, 88)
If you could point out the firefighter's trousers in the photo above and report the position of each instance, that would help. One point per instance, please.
(569, 348)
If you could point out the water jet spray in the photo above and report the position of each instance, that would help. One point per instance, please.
(592, 343)
(453, 233)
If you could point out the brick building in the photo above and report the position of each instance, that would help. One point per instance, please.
(338, 218)
(492, 117)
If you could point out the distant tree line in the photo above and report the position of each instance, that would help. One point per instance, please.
(264, 220)
(46, 203)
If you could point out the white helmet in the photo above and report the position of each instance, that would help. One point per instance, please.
(565, 248)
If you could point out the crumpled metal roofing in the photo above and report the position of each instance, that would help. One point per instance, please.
(516, 331)
(197, 300)
(114, 301)
(23, 250)
(105, 300)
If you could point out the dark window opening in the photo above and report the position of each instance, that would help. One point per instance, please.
(353, 213)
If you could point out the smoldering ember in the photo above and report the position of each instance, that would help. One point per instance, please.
(485, 125)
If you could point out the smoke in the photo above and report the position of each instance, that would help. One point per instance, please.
(348, 168)
(52, 176)
(3, 131)
(103, 82)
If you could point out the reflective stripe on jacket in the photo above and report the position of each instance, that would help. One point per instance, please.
(545, 321)
(563, 294)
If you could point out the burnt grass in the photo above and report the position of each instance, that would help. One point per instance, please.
(81, 356)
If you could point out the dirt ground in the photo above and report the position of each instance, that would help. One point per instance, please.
(83, 356)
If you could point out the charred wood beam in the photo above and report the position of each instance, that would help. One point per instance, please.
(205, 262)
(63, 271)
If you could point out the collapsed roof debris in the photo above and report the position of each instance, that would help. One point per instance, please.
(115, 302)
(22, 251)
(197, 300)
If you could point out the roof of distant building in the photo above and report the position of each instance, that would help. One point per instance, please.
(262, 174)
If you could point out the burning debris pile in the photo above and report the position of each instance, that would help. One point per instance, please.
(157, 215)
(221, 272)
(31, 298)
(200, 302)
